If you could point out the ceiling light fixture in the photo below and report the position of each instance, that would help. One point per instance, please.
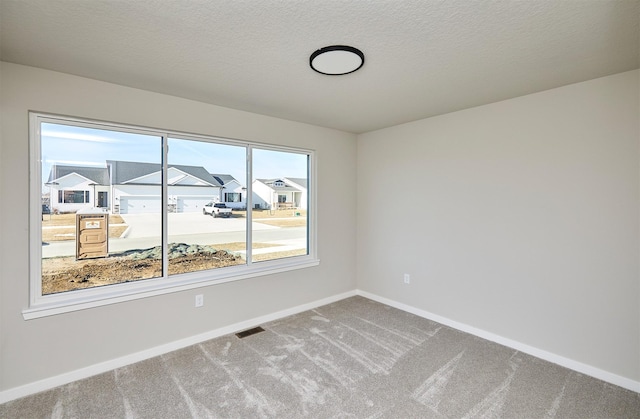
(336, 60)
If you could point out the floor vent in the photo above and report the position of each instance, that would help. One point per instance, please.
(249, 332)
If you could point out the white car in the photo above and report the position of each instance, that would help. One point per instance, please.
(216, 209)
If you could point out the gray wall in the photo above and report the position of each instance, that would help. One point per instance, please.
(41, 348)
(519, 218)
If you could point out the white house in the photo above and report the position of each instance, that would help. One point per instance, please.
(133, 187)
(232, 193)
(301, 184)
(280, 193)
(72, 188)
(137, 187)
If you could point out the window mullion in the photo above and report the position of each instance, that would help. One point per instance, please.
(249, 211)
(165, 206)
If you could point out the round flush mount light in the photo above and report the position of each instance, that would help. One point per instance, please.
(336, 60)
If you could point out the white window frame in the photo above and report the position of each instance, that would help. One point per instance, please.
(53, 304)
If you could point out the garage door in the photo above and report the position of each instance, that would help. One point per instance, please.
(192, 204)
(140, 205)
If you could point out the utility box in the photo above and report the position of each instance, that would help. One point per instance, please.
(92, 234)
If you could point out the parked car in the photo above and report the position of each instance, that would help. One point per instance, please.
(216, 209)
(46, 210)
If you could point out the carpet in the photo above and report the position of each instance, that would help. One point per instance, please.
(355, 358)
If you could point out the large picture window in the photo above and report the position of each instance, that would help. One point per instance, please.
(73, 197)
(133, 212)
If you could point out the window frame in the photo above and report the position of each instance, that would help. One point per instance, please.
(52, 304)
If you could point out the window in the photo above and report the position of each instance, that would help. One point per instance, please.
(149, 211)
(73, 197)
(232, 197)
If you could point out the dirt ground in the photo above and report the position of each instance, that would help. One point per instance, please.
(66, 273)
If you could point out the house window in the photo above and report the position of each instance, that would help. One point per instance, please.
(73, 197)
(232, 197)
(162, 222)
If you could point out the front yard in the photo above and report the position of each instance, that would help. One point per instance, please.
(59, 227)
(65, 273)
(276, 218)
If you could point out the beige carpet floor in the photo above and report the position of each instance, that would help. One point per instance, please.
(352, 359)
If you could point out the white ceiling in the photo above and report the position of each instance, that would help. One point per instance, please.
(423, 58)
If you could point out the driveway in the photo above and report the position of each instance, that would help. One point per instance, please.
(149, 225)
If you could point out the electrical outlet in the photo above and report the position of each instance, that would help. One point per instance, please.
(407, 278)
(199, 300)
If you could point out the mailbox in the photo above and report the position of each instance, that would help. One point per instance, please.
(92, 234)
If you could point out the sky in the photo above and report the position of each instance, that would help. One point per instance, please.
(71, 145)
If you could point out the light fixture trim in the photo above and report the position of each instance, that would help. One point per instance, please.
(336, 60)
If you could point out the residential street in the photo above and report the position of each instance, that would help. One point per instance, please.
(192, 228)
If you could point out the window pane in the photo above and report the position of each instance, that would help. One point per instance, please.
(74, 197)
(101, 214)
(280, 201)
(232, 197)
(205, 230)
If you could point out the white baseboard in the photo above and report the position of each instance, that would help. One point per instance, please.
(58, 380)
(624, 382)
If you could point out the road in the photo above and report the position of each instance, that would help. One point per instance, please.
(290, 236)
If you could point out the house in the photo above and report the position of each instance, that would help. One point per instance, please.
(124, 187)
(72, 188)
(280, 193)
(136, 187)
(489, 150)
(232, 193)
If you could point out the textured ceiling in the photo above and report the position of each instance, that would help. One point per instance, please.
(423, 58)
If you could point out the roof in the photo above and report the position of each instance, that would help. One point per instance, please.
(99, 175)
(286, 188)
(299, 181)
(125, 171)
(223, 179)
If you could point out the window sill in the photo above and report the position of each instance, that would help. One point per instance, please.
(55, 304)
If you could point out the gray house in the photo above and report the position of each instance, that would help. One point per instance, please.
(125, 187)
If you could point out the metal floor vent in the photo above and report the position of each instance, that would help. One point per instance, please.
(249, 332)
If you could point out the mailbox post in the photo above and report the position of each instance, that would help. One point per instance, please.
(92, 233)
